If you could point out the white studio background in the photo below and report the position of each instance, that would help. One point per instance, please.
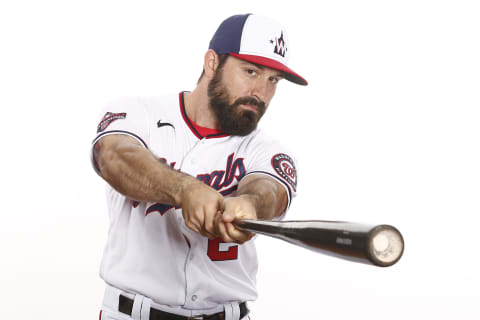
(386, 132)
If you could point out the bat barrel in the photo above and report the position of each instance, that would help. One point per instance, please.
(385, 245)
(380, 245)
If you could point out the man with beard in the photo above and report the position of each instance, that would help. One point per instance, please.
(181, 168)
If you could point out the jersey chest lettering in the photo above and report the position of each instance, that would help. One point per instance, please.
(220, 180)
(223, 179)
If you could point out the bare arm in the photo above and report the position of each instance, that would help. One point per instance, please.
(268, 196)
(135, 172)
(258, 197)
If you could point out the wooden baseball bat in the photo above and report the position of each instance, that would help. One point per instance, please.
(380, 245)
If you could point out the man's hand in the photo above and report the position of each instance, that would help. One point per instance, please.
(201, 204)
(240, 207)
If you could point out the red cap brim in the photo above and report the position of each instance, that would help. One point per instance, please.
(270, 63)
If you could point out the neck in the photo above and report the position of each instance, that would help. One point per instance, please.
(197, 108)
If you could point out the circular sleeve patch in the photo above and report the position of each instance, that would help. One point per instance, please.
(285, 168)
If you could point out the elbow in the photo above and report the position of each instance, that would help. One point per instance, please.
(277, 198)
(107, 164)
(272, 195)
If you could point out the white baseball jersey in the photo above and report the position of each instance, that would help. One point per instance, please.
(149, 249)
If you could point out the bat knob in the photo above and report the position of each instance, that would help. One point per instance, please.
(385, 246)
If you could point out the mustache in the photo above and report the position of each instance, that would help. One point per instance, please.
(251, 101)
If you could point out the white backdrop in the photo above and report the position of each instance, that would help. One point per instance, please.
(386, 132)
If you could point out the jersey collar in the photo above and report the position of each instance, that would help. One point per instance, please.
(199, 131)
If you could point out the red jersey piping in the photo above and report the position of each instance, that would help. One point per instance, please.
(199, 131)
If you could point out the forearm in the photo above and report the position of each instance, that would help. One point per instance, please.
(258, 197)
(267, 196)
(135, 172)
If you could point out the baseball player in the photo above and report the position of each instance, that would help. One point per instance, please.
(181, 168)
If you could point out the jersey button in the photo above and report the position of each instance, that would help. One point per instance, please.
(194, 298)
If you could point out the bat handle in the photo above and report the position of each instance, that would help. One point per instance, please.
(241, 223)
(257, 225)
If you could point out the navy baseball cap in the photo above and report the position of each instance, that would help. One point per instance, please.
(256, 39)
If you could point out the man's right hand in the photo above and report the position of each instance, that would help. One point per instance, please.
(201, 204)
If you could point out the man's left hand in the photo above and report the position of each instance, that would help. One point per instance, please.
(236, 208)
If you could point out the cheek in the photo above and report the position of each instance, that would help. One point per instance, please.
(239, 89)
(270, 93)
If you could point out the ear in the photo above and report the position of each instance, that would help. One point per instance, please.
(210, 63)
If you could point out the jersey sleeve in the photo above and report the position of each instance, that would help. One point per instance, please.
(125, 116)
(270, 158)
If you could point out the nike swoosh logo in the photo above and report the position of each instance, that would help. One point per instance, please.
(163, 124)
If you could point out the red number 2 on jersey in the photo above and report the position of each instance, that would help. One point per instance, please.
(215, 254)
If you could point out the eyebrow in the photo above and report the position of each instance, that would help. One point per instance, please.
(279, 74)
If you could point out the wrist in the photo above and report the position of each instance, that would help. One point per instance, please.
(186, 185)
(254, 200)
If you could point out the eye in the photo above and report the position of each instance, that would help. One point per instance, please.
(251, 72)
(274, 80)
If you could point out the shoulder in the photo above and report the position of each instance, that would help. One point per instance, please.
(147, 102)
(164, 101)
(267, 155)
(259, 138)
(149, 106)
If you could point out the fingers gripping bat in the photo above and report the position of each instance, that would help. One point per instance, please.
(380, 245)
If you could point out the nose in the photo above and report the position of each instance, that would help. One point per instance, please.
(260, 90)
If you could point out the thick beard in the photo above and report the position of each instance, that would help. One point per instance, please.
(233, 120)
